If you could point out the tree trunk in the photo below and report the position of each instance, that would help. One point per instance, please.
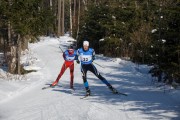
(9, 33)
(4, 48)
(70, 14)
(9, 27)
(59, 18)
(74, 15)
(56, 21)
(11, 60)
(62, 18)
(85, 5)
(50, 3)
(18, 54)
(79, 12)
(24, 43)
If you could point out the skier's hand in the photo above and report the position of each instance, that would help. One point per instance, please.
(77, 61)
(93, 58)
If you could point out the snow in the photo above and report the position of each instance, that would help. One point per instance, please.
(163, 40)
(101, 40)
(154, 30)
(21, 97)
(67, 40)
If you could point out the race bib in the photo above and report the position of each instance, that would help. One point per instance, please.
(68, 58)
(86, 58)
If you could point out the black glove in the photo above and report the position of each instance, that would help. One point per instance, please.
(77, 61)
(93, 58)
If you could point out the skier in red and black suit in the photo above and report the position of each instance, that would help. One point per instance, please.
(69, 57)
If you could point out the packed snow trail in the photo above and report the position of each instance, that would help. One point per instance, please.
(143, 102)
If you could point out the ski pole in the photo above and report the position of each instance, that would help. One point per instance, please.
(61, 48)
(98, 64)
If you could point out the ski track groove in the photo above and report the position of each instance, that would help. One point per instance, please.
(123, 103)
(125, 110)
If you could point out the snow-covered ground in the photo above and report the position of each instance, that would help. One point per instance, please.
(25, 100)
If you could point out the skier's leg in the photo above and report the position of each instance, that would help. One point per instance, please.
(60, 74)
(94, 70)
(72, 75)
(84, 76)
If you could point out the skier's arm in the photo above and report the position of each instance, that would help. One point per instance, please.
(64, 56)
(76, 57)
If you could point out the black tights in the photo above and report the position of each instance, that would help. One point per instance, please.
(92, 68)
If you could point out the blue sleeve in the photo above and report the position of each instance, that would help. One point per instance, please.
(93, 54)
(64, 55)
(77, 54)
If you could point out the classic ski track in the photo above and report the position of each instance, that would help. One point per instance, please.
(96, 108)
(125, 110)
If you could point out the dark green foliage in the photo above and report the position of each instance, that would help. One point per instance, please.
(126, 26)
(110, 47)
(27, 17)
(93, 29)
(21, 20)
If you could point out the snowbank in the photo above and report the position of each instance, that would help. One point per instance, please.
(13, 85)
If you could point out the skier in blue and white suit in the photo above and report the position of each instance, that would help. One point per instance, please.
(86, 56)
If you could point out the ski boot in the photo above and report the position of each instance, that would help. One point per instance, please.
(72, 88)
(88, 92)
(114, 91)
(54, 84)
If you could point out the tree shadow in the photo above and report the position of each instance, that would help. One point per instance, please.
(64, 91)
(142, 97)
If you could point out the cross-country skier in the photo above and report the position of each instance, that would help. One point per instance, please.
(69, 57)
(86, 56)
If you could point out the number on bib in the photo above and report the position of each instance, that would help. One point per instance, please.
(85, 59)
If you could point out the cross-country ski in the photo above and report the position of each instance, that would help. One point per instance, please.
(120, 93)
(85, 96)
(47, 87)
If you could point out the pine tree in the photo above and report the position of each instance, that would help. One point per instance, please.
(23, 18)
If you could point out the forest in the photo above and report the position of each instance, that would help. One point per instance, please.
(143, 31)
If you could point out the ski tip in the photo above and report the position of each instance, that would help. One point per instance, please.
(120, 93)
(84, 96)
(43, 88)
(47, 87)
(123, 94)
